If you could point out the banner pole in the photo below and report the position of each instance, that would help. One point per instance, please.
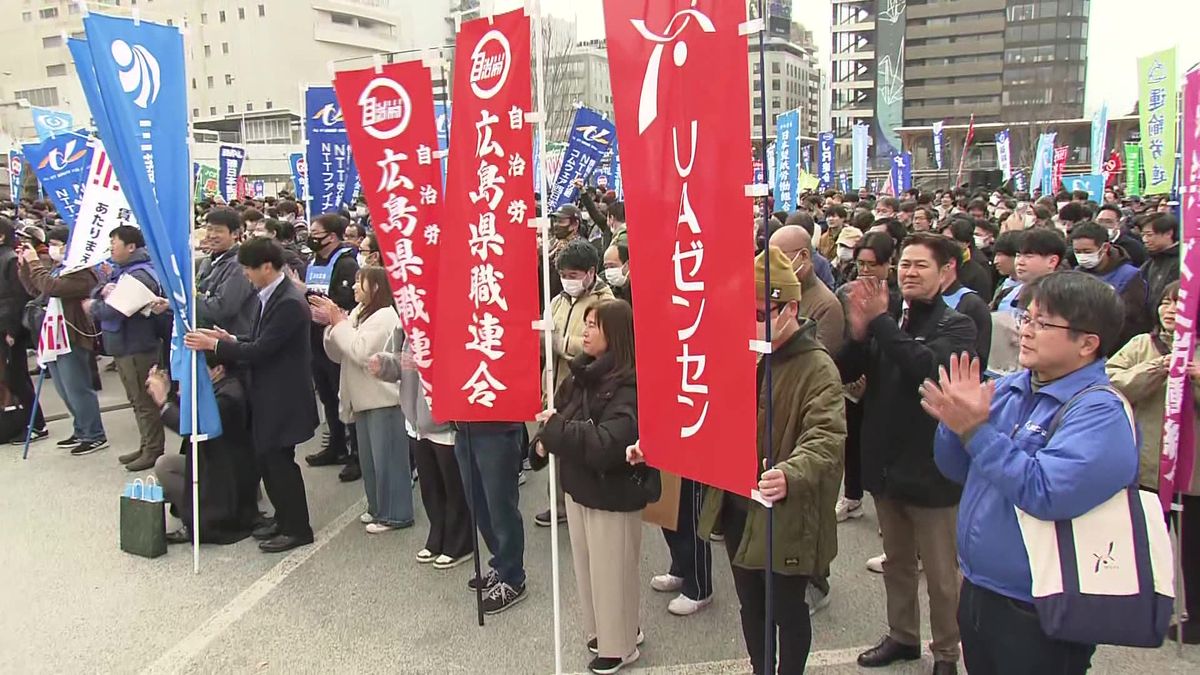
(194, 365)
(540, 139)
(37, 395)
(768, 604)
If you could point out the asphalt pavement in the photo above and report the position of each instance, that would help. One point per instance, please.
(72, 602)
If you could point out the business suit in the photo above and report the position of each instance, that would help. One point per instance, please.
(283, 409)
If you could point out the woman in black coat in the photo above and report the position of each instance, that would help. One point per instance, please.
(594, 420)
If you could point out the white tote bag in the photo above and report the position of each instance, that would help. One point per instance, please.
(1105, 577)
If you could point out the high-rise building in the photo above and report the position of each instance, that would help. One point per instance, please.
(793, 77)
(914, 62)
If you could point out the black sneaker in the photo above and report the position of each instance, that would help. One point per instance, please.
(88, 447)
(37, 435)
(502, 596)
(607, 664)
(68, 442)
(543, 519)
(488, 581)
(594, 643)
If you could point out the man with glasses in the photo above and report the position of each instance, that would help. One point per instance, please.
(997, 440)
(916, 504)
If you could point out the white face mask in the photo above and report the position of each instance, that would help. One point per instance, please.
(981, 242)
(56, 253)
(1088, 261)
(615, 276)
(363, 261)
(845, 254)
(775, 328)
(573, 287)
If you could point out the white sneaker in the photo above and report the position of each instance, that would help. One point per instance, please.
(848, 508)
(425, 556)
(378, 528)
(817, 600)
(521, 478)
(666, 583)
(682, 605)
(445, 562)
(876, 564)
(366, 518)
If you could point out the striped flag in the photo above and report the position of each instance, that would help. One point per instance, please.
(966, 144)
(52, 338)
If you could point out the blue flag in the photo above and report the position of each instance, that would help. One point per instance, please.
(825, 160)
(902, 172)
(1093, 184)
(1099, 138)
(61, 166)
(135, 72)
(327, 153)
(441, 112)
(16, 173)
(49, 123)
(296, 161)
(230, 160)
(787, 159)
(591, 138)
(806, 158)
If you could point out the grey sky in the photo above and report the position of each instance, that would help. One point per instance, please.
(1119, 32)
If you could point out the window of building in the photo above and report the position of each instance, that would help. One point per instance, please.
(212, 110)
(229, 108)
(210, 81)
(221, 16)
(775, 68)
(56, 70)
(52, 41)
(249, 107)
(270, 105)
(45, 96)
(268, 131)
(224, 47)
(195, 112)
(262, 10)
(347, 20)
(193, 83)
(28, 16)
(241, 13)
(208, 50)
(204, 18)
(774, 85)
(228, 79)
(48, 12)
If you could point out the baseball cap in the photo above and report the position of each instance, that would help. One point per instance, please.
(568, 211)
(32, 232)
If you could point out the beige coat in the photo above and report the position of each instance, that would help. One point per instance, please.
(567, 314)
(351, 346)
(1133, 372)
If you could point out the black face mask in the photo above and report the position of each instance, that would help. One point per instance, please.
(317, 243)
(560, 231)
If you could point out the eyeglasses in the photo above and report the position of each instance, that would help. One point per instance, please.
(761, 316)
(1039, 325)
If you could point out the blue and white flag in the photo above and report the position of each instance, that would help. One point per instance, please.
(16, 173)
(617, 186)
(60, 164)
(806, 158)
(787, 159)
(901, 174)
(134, 71)
(843, 181)
(1019, 180)
(1099, 138)
(1004, 154)
(939, 142)
(230, 159)
(1093, 184)
(297, 162)
(49, 123)
(860, 140)
(825, 160)
(331, 172)
(591, 139)
(1043, 164)
(441, 112)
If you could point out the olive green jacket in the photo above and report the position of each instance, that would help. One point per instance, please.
(807, 444)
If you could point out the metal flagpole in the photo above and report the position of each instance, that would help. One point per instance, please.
(37, 395)
(769, 573)
(546, 324)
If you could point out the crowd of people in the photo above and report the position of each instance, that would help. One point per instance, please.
(921, 346)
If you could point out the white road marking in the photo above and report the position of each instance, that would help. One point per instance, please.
(176, 659)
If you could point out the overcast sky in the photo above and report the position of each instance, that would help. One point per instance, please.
(1119, 32)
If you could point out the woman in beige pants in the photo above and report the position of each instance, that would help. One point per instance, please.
(594, 420)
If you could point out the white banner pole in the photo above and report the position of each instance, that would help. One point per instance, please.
(547, 324)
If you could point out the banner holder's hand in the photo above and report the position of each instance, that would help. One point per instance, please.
(633, 453)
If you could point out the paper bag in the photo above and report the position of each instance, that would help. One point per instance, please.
(665, 512)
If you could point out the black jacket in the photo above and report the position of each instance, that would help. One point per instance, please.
(341, 291)
(228, 477)
(224, 296)
(1133, 246)
(897, 435)
(975, 275)
(596, 422)
(13, 296)
(975, 308)
(278, 356)
(1160, 271)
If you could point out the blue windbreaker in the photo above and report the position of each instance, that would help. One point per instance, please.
(1010, 461)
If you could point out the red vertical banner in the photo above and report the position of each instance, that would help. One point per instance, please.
(686, 159)
(390, 123)
(487, 347)
(1060, 164)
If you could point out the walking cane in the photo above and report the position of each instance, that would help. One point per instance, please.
(769, 584)
(37, 395)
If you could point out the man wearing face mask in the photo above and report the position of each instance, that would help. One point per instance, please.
(1109, 216)
(1108, 262)
(578, 267)
(616, 271)
(71, 373)
(564, 229)
(817, 302)
(332, 273)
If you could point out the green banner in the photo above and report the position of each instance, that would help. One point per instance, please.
(206, 182)
(1133, 169)
(1157, 105)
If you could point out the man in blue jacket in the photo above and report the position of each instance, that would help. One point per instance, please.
(995, 439)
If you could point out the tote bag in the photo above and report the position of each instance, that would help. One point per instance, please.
(1105, 577)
